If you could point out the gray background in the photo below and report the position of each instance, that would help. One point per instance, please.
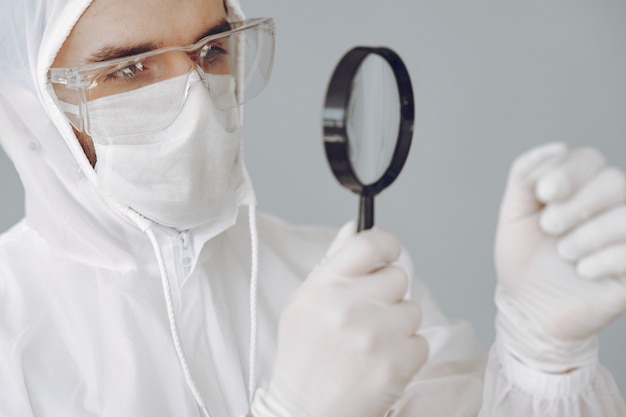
(491, 79)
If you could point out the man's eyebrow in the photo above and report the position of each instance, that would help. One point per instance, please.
(112, 52)
(221, 26)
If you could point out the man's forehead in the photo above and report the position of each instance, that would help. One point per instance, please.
(111, 24)
(113, 51)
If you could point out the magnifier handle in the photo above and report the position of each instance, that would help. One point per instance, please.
(366, 213)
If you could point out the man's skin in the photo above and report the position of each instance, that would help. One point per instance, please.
(108, 25)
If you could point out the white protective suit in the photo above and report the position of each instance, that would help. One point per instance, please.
(84, 326)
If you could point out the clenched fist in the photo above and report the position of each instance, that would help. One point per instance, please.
(560, 256)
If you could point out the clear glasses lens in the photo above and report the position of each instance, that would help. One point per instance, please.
(234, 66)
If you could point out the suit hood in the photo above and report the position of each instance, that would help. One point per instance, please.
(62, 200)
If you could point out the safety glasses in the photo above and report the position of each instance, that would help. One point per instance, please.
(235, 66)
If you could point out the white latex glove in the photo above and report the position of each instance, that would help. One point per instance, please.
(560, 256)
(347, 343)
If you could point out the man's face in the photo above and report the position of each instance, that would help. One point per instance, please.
(112, 28)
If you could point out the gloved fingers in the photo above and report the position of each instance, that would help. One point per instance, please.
(347, 230)
(415, 351)
(564, 179)
(406, 317)
(383, 326)
(610, 261)
(388, 284)
(605, 190)
(404, 357)
(519, 200)
(531, 164)
(606, 229)
(364, 252)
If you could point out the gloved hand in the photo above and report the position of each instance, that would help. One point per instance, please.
(347, 343)
(560, 256)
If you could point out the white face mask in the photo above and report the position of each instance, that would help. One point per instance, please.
(186, 175)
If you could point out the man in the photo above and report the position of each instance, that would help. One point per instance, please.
(125, 290)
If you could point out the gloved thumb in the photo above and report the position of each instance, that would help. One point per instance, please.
(347, 230)
(520, 199)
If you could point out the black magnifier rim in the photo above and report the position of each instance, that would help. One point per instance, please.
(336, 141)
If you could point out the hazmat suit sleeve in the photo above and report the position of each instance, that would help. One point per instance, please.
(460, 380)
(513, 389)
(559, 252)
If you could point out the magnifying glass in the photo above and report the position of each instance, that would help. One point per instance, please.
(368, 123)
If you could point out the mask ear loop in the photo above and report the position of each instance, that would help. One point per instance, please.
(69, 108)
(73, 112)
(240, 68)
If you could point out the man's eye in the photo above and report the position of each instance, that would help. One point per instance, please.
(126, 73)
(212, 55)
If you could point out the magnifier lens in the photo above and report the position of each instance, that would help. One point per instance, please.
(368, 123)
(373, 119)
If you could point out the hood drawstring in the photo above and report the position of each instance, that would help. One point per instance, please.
(167, 292)
(254, 278)
(146, 226)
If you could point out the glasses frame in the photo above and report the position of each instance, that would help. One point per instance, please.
(83, 76)
(80, 79)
